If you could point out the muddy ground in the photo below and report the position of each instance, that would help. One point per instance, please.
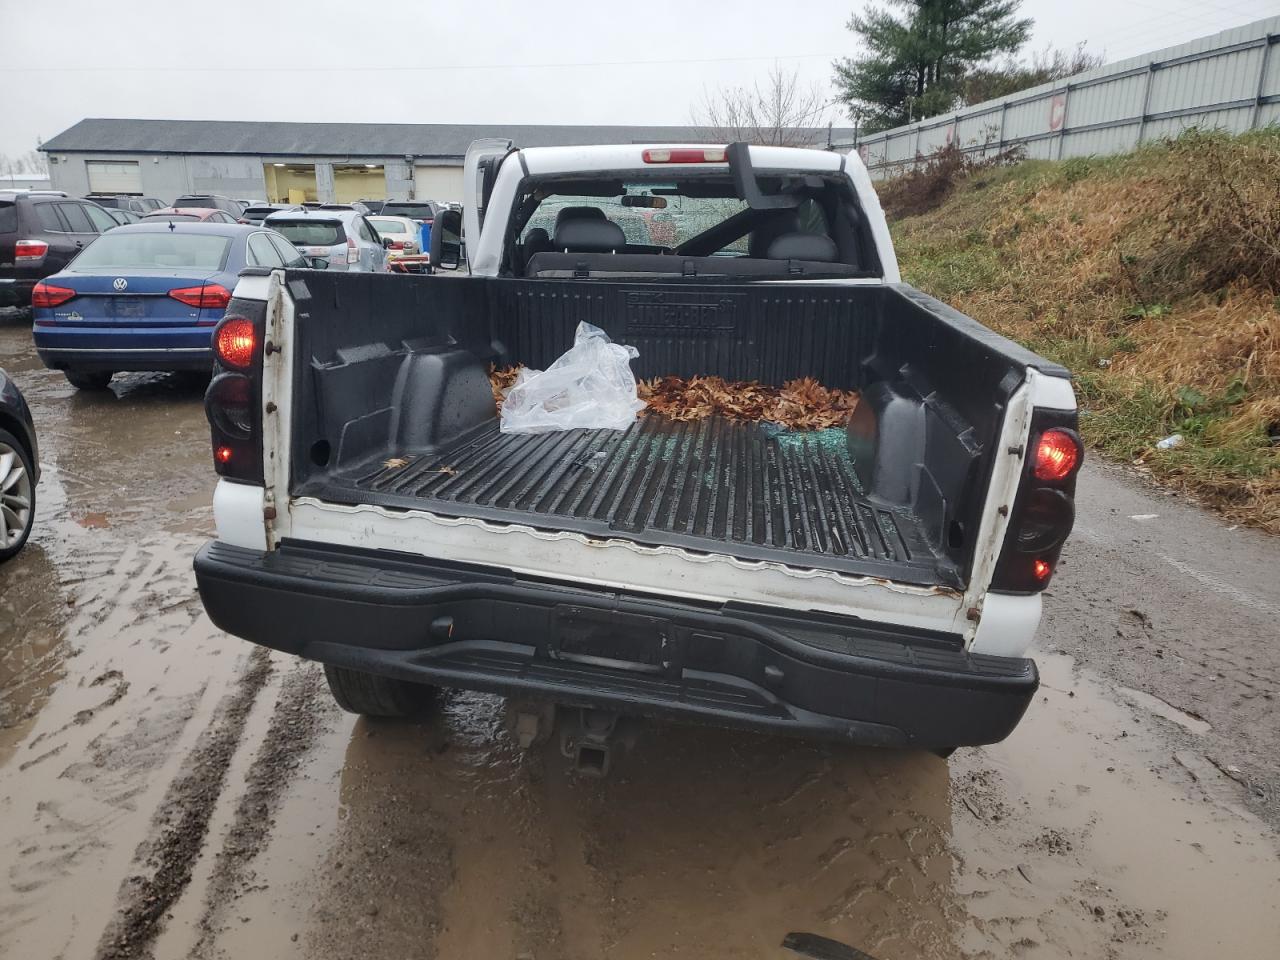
(167, 792)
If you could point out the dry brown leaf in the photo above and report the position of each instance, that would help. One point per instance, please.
(395, 463)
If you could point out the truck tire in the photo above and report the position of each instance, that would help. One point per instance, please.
(89, 380)
(17, 495)
(374, 696)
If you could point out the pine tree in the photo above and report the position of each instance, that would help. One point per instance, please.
(917, 61)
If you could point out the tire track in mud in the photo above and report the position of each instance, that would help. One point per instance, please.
(299, 715)
(181, 823)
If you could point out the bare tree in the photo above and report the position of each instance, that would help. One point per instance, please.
(31, 162)
(780, 111)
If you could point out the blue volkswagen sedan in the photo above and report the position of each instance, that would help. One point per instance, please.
(147, 296)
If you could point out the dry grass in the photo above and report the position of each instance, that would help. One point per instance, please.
(1155, 276)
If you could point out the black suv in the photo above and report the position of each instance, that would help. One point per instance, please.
(40, 232)
(139, 205)
(226, 204)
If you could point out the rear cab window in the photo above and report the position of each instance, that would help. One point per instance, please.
(309, 232)
(118, 250)
(698, 215)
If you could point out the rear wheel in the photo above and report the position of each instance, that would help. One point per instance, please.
(374, 696)
(89, 379)
(17, 495)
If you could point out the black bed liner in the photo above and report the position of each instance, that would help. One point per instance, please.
(750, 490)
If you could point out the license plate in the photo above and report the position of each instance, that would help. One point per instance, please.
(621, 640)
(126, 307)
(316, 251)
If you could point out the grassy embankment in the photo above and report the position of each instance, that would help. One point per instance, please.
(1154, 276)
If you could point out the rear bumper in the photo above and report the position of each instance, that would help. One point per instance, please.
(488, 629)
(123, 348)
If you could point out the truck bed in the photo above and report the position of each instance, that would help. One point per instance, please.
(749, 490)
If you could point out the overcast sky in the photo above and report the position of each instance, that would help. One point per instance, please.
(497, 61)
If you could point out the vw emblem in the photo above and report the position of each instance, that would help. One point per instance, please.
(120, 283)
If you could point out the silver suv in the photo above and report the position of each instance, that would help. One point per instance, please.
(343, 237)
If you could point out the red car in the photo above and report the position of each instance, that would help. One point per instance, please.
(199, 214)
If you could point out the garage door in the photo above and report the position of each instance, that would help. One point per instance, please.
(115, 176)
(437, 183)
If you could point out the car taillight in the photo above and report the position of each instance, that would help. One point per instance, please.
(685, 155)
(235, 342)
(353, 252)
(1044, 508)
(1058, 454)
(47, 295)
(208, 296)
(233, 402)
(396, 245)
(29, 251)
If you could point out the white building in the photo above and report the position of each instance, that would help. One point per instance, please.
(333, 162)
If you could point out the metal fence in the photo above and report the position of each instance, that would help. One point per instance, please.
(1230, 80)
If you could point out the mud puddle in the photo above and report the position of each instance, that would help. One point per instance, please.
(1079, 837)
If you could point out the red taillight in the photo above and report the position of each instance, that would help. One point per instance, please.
(235, 342)
(27, 251)
(223, 454)
(47, 295)
(1041, 569)
(353, 252)
(395, 245)
(1057, 455)
(209, 296)
(685, 155)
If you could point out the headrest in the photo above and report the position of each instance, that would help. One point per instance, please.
(769, 230)
(578, 213)
(589, 236)
(804, 246)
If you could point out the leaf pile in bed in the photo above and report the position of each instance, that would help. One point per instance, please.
(803, 404)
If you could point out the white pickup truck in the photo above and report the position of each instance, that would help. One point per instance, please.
(878, 582)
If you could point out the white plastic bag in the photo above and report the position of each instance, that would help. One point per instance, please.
(591, 386)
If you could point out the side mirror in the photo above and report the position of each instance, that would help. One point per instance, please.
(318, 263)
(446, 240)
(386, 243)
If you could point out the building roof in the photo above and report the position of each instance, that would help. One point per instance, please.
(446, 140)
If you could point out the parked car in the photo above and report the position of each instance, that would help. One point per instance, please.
(246, 204)
(226, 204)
(147, 297)
(40, 232)
(401, 232)
(122, 216)
(342, 237)
(403, 240)
(139, 205)
(19, 469)
(192, 215)
(879, 582)
(375, 206)
(258, 212)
